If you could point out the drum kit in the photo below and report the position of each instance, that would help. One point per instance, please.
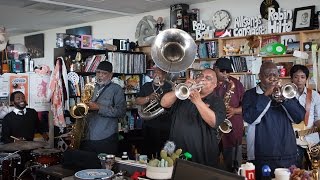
(26, 157)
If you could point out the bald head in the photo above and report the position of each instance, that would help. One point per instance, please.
(266, 66)
(269, 75)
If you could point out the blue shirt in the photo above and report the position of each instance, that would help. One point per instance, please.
(104, 122)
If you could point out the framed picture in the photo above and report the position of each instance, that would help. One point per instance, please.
(35, 45)
(85, 30)
(86, 41)
(303, 18)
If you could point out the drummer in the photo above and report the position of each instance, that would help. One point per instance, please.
(21, 123)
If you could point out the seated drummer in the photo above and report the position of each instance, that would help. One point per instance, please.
(21, 123)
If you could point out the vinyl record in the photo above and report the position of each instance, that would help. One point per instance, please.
(278, 48)
(265, 5)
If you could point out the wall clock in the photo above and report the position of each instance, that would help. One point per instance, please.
(265, 5)
(221, 19)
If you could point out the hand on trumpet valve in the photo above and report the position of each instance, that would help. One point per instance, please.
(195, 96)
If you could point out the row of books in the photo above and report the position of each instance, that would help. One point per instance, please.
(207, 50)
(127, 63)
(92, 62)
(239, 64)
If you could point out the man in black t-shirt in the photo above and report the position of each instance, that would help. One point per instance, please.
(196, 119)
(156, 130)
(22, 122)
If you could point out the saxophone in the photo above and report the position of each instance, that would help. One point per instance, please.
(79, 112)
(226, 125)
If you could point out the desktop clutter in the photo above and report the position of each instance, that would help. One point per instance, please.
(161, 168)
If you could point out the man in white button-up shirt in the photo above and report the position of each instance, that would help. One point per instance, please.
(299, 76)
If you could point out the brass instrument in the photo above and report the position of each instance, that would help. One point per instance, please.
(79, 111)
(226, 126)
(173, 50)
(313, 153)
(182, 90)
(286, 91)
(153, 109)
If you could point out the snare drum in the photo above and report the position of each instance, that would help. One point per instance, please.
(94, 174)
(47, 157)
(11, 165)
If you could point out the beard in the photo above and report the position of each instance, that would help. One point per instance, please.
(20, 105)
(100, 82)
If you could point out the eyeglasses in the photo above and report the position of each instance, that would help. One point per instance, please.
(200, 76)
(225, 70)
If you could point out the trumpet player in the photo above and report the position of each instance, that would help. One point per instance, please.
(156, 129)
(270, 136)
(309, 99)
(196, 119)
(231, 90)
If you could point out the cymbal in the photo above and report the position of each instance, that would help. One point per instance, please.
(22, 145)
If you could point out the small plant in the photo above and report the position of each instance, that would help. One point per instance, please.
(168, 156)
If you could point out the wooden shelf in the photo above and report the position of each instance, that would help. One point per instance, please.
(285, 77)
(276, 56)
(207, 59)
(212, 39)
(241, 73)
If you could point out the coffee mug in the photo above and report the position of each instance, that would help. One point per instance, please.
(247, 170)
(282, 173)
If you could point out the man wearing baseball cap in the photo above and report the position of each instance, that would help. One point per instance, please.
(231, 90)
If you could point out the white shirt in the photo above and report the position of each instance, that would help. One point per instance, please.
(314, 114)
(18, 111)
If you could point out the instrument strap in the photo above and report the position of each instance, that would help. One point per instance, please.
(308, 103)
(104, 88)
(306, 117)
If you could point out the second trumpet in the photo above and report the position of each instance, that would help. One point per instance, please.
(182, 90)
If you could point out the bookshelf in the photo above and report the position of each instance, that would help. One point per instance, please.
(128, 68)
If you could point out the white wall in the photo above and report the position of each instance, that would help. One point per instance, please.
(125, 27)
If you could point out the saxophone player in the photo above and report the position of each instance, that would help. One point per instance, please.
(101, 136)
(231, 90)
(107, 105)
(156, 129)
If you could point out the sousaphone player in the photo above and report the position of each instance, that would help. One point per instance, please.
(156, 125)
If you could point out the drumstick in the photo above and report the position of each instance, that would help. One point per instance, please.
(15, 138)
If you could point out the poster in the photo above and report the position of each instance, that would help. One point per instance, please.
(4, 90)
(20, 82)
(39, 100)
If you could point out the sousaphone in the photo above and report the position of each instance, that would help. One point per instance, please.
(173, 51)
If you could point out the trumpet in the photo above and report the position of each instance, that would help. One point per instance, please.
(182, 90)
(286, 91)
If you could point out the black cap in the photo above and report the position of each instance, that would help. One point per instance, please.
(105, 66)
(224, 63)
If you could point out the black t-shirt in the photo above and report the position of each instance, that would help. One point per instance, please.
(163, 121)
(191, 133)
(20, 126)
